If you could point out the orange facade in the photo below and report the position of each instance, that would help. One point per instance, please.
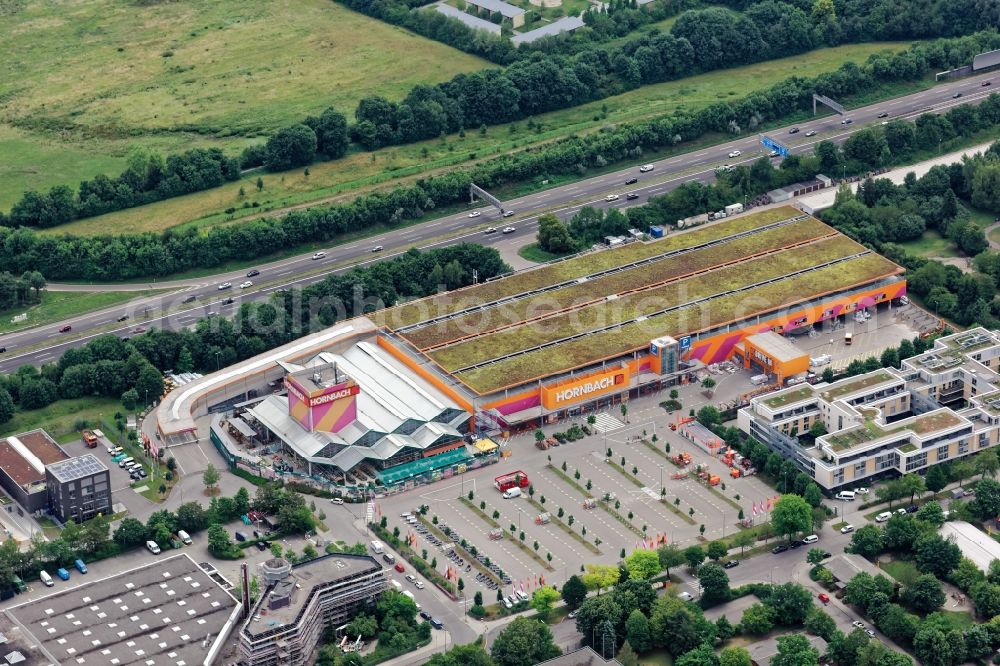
(572, 391)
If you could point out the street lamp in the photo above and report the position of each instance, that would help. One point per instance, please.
(217, 354)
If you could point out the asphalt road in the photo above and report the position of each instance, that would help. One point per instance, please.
(44, 344)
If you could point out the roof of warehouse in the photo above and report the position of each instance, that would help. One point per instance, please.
(598, 306)
(39, 445)
(159, 613)
(776, 346)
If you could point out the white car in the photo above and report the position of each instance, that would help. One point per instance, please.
(509, 230)
(319, 255)
(508, 213)
(411, 578)
(475, 213)
(735, 153)
(225, 285)
(646, 168)
(811, 133)
(377, 248)
(847, 529)
(862, 490)
(246, 284)
(773, 153)
(858, 624)
(611, 197)
(490, 230)
(419, 585)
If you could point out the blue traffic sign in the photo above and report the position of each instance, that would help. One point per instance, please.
(774, 145)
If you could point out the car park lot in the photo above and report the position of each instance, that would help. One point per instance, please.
(588, 456)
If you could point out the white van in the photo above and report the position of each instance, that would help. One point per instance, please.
(846, 495)
(46, 578)
(511, 493)
(184, 536)
(407, 593)
(125, 461)
(685, 596)
(884, 516)
(376, 547)
(812, 538)
(397, 585)
(153, 548)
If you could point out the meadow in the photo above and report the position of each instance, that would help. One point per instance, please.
(360, 171)
(92, 77)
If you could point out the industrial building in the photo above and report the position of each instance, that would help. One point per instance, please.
(23, 459)
(941, 405)
(300, 602)
(168, 611)
(397, 389)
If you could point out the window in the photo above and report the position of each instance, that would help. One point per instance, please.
(963, 447)
(838, 477)
(917, 461)
(860, 468)
(942, 453)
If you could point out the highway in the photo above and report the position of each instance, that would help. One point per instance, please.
(45, 343)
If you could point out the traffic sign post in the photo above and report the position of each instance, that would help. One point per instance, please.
(771, 144)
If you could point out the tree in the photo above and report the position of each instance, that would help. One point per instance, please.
(986, 598)
(913, 484)
(724, 630)
(130, 532)
(931, 646)
(791, 515)
(868, 542)
(743, 539)
(542, 600)
(703, 655)
(709, 416)
(6, 406)
(291, 147)
(936, 479)
(553, 236)
(574, 591)
(791, 603)
(694, 556)
(735, 656)
(524, 642)
(931, 513)
(717, 550)
(815, 556)
(986, 463)
(210, 477)
(861, 589)
(599, 576)
(191, 517)
(365, 626)
(130, 399)
(670, 556)
(987, 502)
(925, 594)
(714, 584)
(220, 544)
(757, 620)
(642, 564)
(819, 623)
(937, 556)
(795, 651)
(637, 631)
(813, 496)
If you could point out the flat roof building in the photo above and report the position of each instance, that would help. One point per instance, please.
(506, 10)
(973, 542)
(941, 405)
(167, 612)
(773, 354)
(78, 488)
(300, 602)
(473, 22)
(23, 459)
(565, 24)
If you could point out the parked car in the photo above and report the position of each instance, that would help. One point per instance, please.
(862, 490)
(847, 529)
(337, 500)
(80, 566)
(780, 548)
(731, 564)
(62, 573)
(153, 547)
(573, 614)
(824, 597)
(797, 543)
(410, 578)
(419, 585)
(858, 624)
(260, 546)
(425, 615)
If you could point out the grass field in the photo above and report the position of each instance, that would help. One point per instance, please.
(932, 244)
(365, 170)
(167, 74)
(903, 571)
(58, 419)
(61, 305)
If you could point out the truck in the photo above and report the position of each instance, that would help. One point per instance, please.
(90, 439)
(848, 338)
(733, 209)
(376, 547)
(820, 360)
(692, 221)
(517, 479)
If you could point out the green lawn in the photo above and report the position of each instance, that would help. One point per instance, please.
(61, 305)
(932, 244)
(532, 252)
(903, 571)
(656, 658)
(956, 619)
(91, 77)
(60, 418)
(361, 170)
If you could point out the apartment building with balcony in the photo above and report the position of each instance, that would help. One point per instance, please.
(941, 405)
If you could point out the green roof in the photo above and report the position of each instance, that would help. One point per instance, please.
(869, 431)
(792, 395)
(858, 384)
